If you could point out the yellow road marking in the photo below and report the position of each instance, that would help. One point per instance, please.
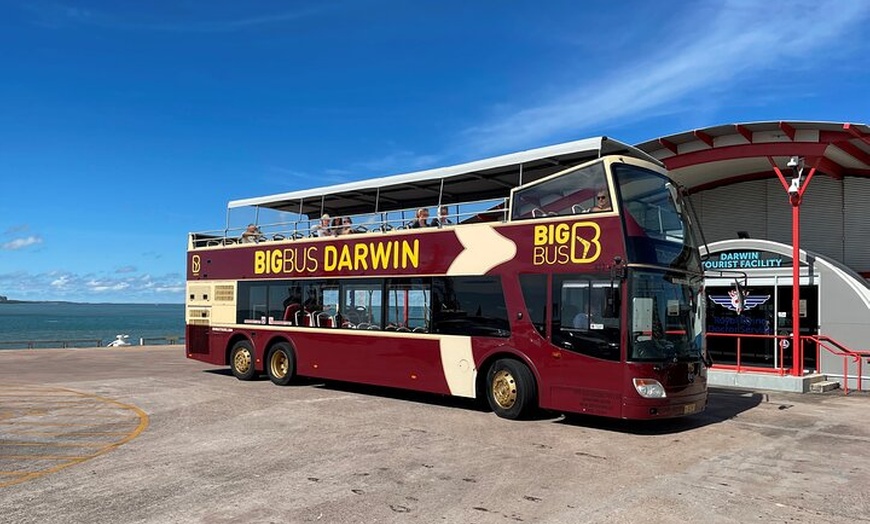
(46, 457)
(62, 424)
(76, 434)
(54, 444)
(142, 424)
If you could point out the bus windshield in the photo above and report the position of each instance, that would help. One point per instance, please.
(658, 230)
(667, 317)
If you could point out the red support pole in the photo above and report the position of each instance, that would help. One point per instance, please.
(796, 364)
(795, 199)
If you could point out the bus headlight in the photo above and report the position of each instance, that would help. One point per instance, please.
(649, 388)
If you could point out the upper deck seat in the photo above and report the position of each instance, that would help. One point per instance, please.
(290, 312)
(304, 319)
(324, 319)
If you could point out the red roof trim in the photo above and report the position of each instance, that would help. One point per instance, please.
(831, 137)
(787, 129)
(747, 134)
(670, 146)
(703, 137)
(854, 151)
(827, 166)
(852, 130)
(747, 177)
(806, 149)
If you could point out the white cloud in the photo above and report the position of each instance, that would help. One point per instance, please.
(715, 49)
(102, 287)
(20, 243)
(60, 282)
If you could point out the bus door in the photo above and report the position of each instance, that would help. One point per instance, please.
(585, 326)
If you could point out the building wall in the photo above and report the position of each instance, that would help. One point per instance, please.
(835, 216)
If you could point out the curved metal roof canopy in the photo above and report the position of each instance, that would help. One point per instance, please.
(473, 181)
(726, 154)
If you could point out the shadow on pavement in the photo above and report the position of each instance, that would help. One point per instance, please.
(432, 399)
(722, 404)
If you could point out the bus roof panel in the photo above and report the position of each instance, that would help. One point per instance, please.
(478, 180)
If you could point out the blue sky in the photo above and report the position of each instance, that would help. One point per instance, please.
(125, 125)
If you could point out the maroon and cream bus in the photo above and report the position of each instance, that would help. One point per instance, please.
(566, 278)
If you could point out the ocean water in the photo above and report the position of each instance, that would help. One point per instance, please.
(56, 322)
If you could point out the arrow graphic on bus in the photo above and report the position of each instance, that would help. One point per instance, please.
(483, 249)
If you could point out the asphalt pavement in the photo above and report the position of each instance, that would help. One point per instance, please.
(144, 435)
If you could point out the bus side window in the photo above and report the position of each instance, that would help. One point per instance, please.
(584, 318)
(469, 306)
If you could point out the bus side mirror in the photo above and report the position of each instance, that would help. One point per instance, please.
(617, 270)
(611, 302)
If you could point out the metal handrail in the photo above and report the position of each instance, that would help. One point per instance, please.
(71, 343)
(739, 366)
(841, 350)
(52, 343)
(304, 228)
(168, 340)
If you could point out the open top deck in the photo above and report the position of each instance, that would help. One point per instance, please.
(486, 179)
(470, 192)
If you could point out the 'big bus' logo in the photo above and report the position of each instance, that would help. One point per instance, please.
(560, 244)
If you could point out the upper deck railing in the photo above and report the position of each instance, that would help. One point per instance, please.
(301, 227)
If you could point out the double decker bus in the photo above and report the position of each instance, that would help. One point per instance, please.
(564, 278)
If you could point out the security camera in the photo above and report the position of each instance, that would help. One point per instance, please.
(793, 162)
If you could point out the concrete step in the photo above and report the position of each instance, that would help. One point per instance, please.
(812, 378)
(824, 386)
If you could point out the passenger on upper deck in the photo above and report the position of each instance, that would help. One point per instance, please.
(336, 227)
(602, 201)
(421, 220)
(346, 227)
(324, 228)
(442, 220)
(251, 234)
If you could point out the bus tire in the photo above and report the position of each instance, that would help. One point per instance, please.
(510, 389)
(242, 360)
(281, 364)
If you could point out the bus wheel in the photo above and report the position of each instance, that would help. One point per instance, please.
(281, 364)
(510, 389)
(242, 360)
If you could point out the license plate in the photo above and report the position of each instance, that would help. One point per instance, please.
(688, 408)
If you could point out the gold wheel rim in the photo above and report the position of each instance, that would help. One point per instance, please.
(279, 364)
(242, 360)
(504, 389)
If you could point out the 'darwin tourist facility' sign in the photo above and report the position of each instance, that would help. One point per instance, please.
(746, 259)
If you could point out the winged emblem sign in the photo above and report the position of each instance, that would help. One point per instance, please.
(739, 300)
